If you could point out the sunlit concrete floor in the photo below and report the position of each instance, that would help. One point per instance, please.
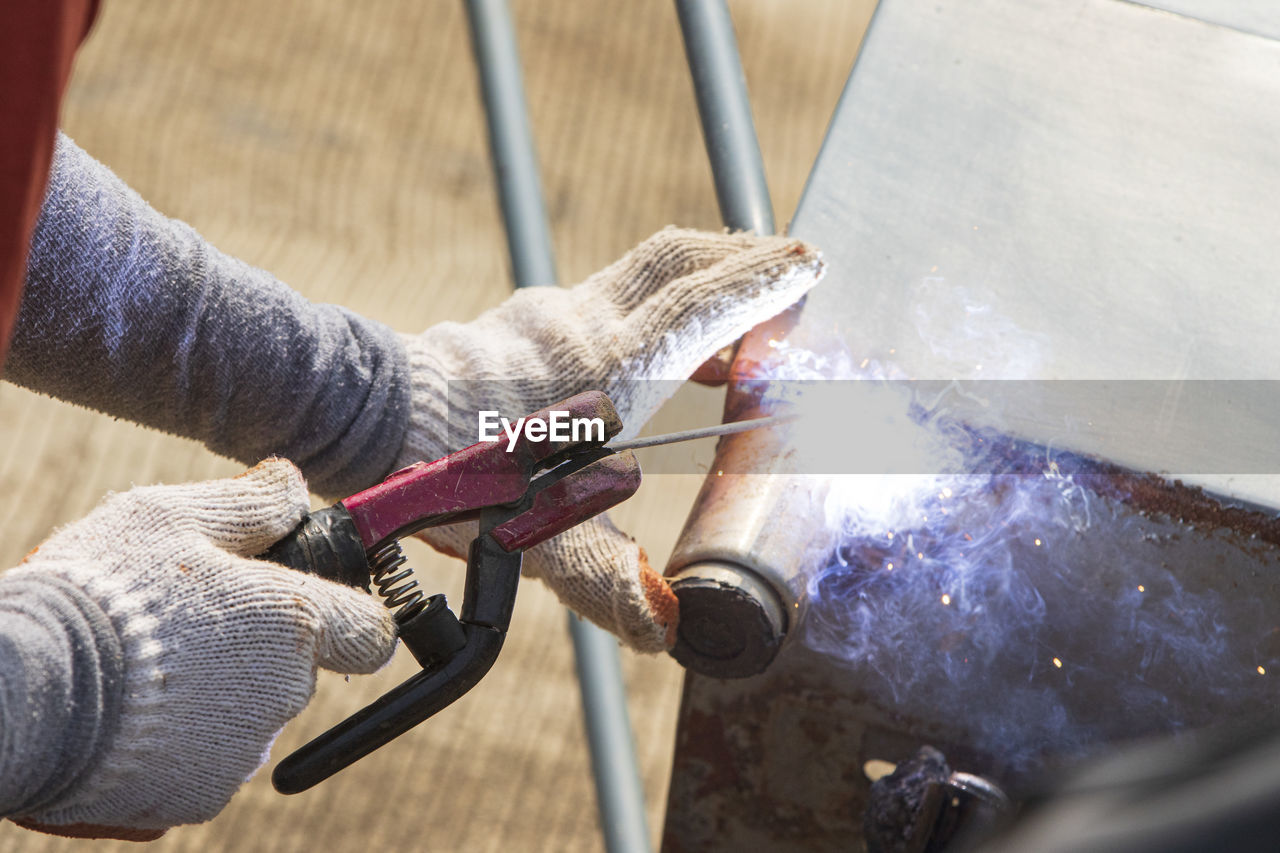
(341, 145)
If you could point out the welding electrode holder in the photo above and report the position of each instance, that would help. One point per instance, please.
(521, 496)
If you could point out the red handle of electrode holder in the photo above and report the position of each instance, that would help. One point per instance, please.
(485, 474)
(452, 488)
(571, 500)
(588, 406)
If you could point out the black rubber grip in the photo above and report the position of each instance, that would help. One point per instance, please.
(325, 543)
(433, 633)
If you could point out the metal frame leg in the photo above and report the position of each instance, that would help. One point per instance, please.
(725, 112)
(619, 791)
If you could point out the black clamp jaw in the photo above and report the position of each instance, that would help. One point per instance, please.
(455, 653)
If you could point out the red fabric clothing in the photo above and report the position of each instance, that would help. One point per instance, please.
(38, 39)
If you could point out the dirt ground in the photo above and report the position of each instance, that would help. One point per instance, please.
(341, 145)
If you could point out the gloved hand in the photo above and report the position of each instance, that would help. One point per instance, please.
(219, 651)
(657, 314)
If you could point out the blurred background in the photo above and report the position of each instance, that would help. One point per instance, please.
(342, 146)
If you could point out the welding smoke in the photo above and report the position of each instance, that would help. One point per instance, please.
(1017, 605)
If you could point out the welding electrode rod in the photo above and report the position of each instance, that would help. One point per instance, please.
(619, 790)
(702, 432)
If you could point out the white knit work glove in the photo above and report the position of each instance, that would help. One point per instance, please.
(220, 650)
(657, 314)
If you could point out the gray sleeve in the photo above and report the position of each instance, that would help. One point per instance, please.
(134, 314)
(61, 676)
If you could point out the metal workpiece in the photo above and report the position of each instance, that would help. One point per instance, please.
(735, 601)
(725, 112)
(1017, 189)
(1060, 192)
(746, 514)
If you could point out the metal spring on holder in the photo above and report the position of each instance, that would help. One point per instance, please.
(407, 597)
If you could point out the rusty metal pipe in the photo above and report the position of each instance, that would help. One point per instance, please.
(737, 568)
(738, 565)
(733, 568)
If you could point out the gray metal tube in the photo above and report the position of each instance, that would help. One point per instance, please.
(515, 159)
(619, 791)
(725, 110)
